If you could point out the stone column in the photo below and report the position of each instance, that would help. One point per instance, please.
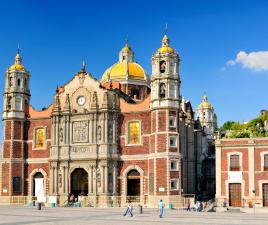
(106, 179)
(90, 181)
(103, 178)
(94, 180)
(67, 188)
(114, 179)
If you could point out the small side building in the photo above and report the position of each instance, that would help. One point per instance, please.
(242, 172)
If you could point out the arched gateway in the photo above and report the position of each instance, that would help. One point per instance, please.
(133, 183)
(79, 182)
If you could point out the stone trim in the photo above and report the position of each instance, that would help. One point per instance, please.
(125, 172)
(262, 160)
(261, 182)
(31, 175)
(240, 160)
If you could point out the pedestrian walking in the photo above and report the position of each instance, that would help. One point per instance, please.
(129, 210)
(161, 208)
(188, 205)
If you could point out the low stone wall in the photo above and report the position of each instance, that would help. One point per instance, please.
(104, 201)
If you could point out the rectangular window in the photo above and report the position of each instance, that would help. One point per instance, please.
(17, 184)
(40, 137)
(265, 162)
(174, 185)
(174, 165)
(173, 141)
(134, 133)
(234, 163)
(172, 122)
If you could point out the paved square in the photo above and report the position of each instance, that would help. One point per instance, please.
(25, 215)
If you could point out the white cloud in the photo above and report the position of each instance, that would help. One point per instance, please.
(256, 61)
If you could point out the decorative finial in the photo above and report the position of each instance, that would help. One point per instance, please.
(84, 66)
(126, 40)
(166, 29)
(18, 50)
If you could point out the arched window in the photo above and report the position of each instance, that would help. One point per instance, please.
(265, 162)
(18, 82)
(25, 83)
(162, 90)
(162, 66)
(11, 81)
(234, 163)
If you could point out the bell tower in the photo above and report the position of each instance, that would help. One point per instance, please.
(17, 93)
(15, 110)
(165, 109)
(165, 84)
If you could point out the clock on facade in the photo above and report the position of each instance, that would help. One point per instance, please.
(81, 100)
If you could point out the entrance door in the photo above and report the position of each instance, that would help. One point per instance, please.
(133, 185)
(38, 185)
(79, 182)
(265, 195)
(235, 195)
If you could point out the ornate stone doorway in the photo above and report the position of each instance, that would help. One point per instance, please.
(79, 182)
(38, 185)
(133, 183)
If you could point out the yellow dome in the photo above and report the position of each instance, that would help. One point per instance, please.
(165, 49)
(17, 67)
(126, 48)
(205, 103)
(124, 70)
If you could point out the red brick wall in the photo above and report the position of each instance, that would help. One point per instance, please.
(151, 171)
(17, 130)
(5, 178)
(161, 143)
(153, 119)
(162, 120)
(161, 176)
(6, 149)
(17, 149)
(145, 119)
(30, 134)
(7, 130)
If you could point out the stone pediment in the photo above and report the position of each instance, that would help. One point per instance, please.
(83, 93)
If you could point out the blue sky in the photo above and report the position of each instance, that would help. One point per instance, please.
(55, 36)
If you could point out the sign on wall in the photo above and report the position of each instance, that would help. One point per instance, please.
(235, 177)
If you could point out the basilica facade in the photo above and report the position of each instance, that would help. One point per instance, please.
(129, 136)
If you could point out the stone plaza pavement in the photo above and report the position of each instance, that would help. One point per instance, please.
(30, 216)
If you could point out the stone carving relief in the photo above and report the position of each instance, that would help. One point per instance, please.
(110, 132)
(80, 131)
(80, 149)
(99, 133)
(61, 135)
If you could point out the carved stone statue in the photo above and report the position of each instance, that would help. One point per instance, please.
(162, 90)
